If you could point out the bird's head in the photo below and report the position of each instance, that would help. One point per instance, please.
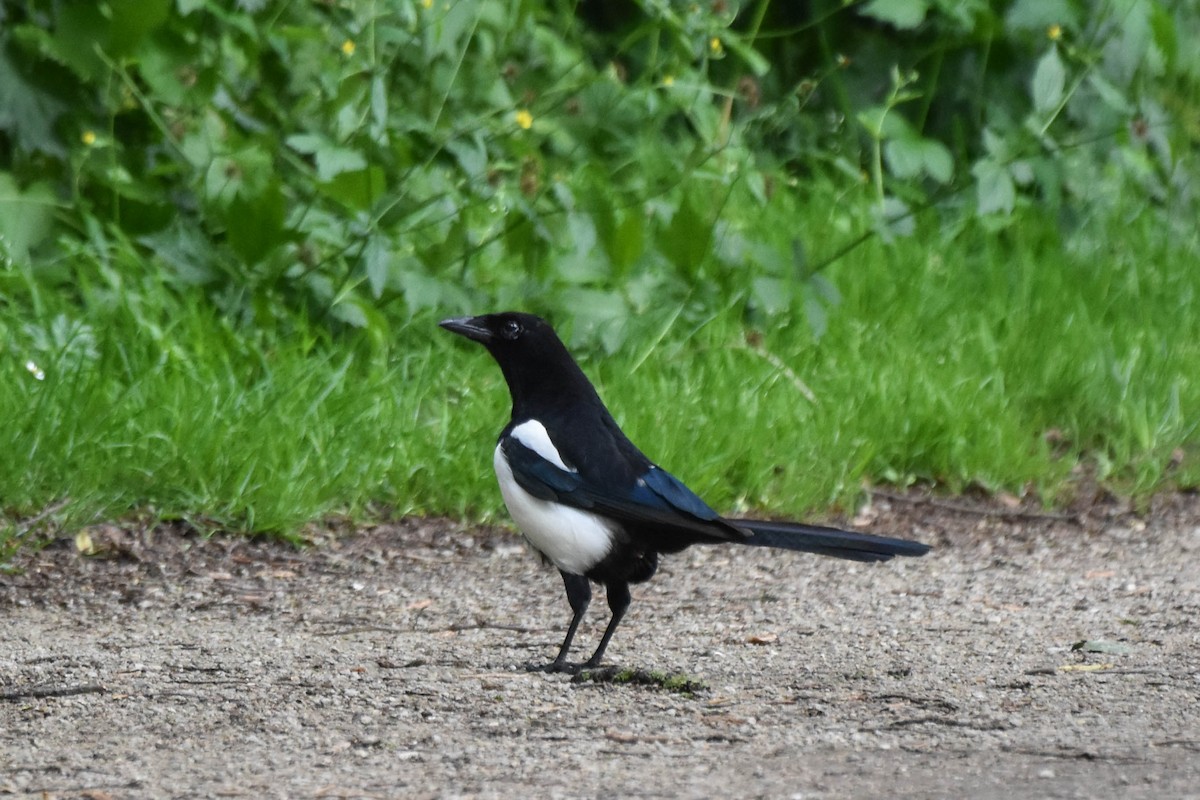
(507, 332)
(534, 360)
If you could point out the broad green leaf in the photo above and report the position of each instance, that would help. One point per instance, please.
(351, 311)
(254, 223)
(307, 143)
(938, 162)
(628, 239)
(333, 161)
(872, 119)
(817, 316)
(1038, 15)
(688, 238)
(132, 20)
(892, 219)
(377, 259)
(26, 216)
(904, 157)
(902, 14)
(599, 313)
(1049, 80)
(908, 157)
(585, 263)
(161, 63)
(82, 33)
(358, 189)
(771, 295)
(29, 113)
(1110, 95)
(422, 290)
(994, 188)
(470, 154)
(1162, 24)
(186, 250)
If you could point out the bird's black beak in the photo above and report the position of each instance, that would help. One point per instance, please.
(470, 327)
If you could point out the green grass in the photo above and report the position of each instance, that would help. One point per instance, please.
(947, 361)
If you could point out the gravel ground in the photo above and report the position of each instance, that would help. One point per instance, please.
(387, 663)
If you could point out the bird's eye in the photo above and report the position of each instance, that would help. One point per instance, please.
(511, 329)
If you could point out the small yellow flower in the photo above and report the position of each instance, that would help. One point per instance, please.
(348, 47)
(524, 119)
(88, 138)
(668, 80)
(1054, 32)
(426, 3)
(714, 44)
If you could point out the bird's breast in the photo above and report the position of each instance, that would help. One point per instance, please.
(574, 540)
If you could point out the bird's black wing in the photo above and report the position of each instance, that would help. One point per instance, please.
(655, 498)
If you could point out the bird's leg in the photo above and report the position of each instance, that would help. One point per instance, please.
(579, 594)
(618, 602)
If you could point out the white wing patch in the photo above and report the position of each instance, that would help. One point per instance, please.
(573, 540)
(533, 435)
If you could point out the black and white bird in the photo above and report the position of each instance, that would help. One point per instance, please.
(590, 502)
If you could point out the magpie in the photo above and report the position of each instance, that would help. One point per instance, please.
(590, 502)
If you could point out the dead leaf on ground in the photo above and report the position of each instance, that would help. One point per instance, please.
(763, 638)
(1093, 574)
(1085, 667)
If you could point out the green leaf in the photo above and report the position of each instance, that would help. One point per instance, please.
(584, 263)
(82, 33)
(26, 217)
(28, 112)
(688, 238)
(771, 295)
(938, 162)
(422, 290)
(359, 189)
(599, 314)
(376, 261)
(254, 224)
(307, 143)
(994, 191)
(903, 14)
(872, 118)
(753, 59)
(333, 161)
(186, 250)
(1162, 23)
(133, 20)
(1036, 16)
(909, 157)
(1110, 95)
(470, 154)
(1049, 80)
(893, 219)
(628, 239)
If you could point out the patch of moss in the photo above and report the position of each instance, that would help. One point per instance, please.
(677, 683)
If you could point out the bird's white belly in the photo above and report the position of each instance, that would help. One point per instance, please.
(573, 540)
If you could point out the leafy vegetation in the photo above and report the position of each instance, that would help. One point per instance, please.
(899, 240)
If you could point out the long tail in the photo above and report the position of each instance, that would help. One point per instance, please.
(827, 541)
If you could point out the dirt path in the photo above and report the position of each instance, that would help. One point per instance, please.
(386, 664)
